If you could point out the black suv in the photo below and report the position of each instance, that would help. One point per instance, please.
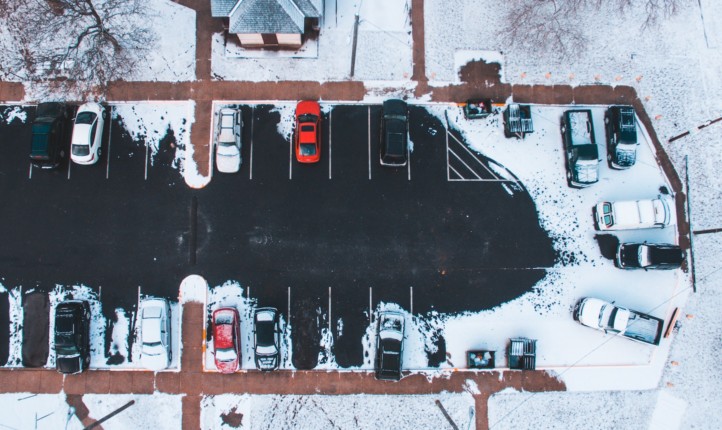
(48, 144)
(72, 336)
(394, 134)
(649, 256)
(389, 346)
(582, 154)
(621, 127)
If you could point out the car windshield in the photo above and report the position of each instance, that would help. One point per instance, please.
(85, 118)
(607, 214)
(225, 354)
(80, 149)
(307, 117)
(307, 149)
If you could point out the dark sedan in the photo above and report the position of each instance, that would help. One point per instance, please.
(267, 336)
(394, 149)
(72, 336)
(649, 256)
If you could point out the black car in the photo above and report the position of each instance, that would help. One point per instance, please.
(267, 338)
(394, 146)
(72, 336)
(582, 154)
(49, 144)
(621, 127)
(389, 346)
(649, 256)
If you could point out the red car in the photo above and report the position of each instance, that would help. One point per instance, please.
(308, 132)
(226, 339)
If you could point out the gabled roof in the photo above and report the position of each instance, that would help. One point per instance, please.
(265, 16)
(222, 8)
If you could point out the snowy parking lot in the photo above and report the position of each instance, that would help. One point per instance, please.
(470, 157)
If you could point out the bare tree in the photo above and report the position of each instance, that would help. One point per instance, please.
(552, 26)
(76, 45)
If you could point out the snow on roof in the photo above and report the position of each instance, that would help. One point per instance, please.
(271, 16)
(222, 8)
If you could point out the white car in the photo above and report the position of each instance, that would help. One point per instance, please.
(87, 134)
(155, 353)
(228, 141)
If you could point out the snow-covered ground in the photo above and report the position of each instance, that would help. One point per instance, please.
(228, 411)
(383, 51)
(675, 70)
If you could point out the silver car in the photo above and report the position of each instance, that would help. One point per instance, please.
(155, 335)
(228, 141)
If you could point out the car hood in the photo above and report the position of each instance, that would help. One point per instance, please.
(155, 362)
(228, 159)
(589, 312)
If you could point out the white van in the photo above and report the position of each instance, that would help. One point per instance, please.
(635, 214)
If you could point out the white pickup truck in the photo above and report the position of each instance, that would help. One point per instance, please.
(601, 315)
(635, 214)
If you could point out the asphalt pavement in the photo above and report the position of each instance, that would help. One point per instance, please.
(329, 241)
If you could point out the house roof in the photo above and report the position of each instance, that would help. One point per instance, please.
(265, 16)
(222, 8)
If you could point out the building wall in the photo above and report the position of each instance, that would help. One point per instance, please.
(255, 40)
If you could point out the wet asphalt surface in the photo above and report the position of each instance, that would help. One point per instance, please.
(324, 243)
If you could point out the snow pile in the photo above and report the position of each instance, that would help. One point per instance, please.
(156, 411)
(228, 411)
(37, 411)
(12, 113)
(571, 410)
(383, 51)
(193, 289)
(153, 122)
(15, 353)
(285, 126)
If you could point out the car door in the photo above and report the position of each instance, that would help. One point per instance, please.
(165, 332)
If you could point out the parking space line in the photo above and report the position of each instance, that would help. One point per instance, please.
(100, 293)
(110, 137)
(70, 163)
(371, 311)
(330, 140)
(411, 301)
(250, 163)
(473, 155)
(464, 163)
(368, 133)
(248, 292)
(290, 157)
(448, 177)
(408, 164)
(288, 310)
(30, 171)
(455, 171)
(146, 161)
(329, 310)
